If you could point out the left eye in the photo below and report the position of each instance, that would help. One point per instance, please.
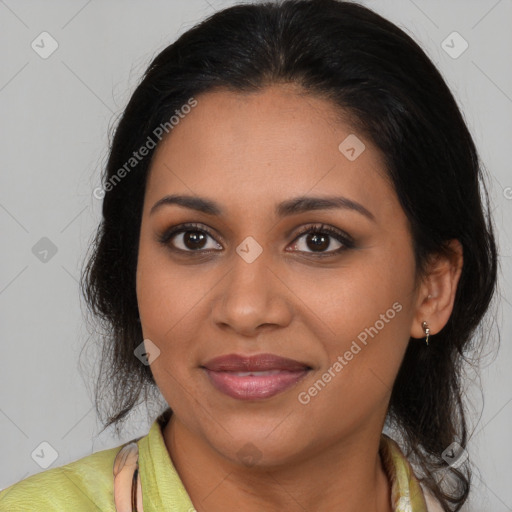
(319, 240)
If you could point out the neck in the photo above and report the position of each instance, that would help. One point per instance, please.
(347, 477)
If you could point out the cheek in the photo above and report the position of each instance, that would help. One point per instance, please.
(164, 307)
(161, 294)
(372, 288)
(363, 356)
(164, 304)
(369, 309)
(170, 298)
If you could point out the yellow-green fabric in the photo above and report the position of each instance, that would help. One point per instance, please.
(87, 484)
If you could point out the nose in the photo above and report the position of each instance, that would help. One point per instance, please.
(252, 297)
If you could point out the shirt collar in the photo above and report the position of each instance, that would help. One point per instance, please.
(162, 488)
(406, 492)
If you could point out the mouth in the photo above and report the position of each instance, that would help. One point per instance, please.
(254, 377)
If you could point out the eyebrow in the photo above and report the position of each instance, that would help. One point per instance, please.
(285, 209)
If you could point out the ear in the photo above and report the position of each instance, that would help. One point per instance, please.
(437, 290)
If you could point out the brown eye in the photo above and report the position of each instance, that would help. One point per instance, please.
(188, 238)
(318, 239)
(194, 239)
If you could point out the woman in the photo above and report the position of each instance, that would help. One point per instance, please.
(295, 253)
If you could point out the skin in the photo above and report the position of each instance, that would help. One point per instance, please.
(249, 152)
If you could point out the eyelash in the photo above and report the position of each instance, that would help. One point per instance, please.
(340, 236)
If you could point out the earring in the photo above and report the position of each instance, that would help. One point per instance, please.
(426, 329)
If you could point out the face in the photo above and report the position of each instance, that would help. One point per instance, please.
(329, 287)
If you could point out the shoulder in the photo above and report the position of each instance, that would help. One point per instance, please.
(87, 482)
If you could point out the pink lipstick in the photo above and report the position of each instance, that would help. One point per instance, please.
(254, 377)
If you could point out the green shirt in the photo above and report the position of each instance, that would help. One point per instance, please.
(87, 484)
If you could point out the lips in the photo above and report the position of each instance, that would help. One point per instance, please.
(254, 377)
(256, 363)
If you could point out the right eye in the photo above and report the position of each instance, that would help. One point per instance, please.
(191, 237)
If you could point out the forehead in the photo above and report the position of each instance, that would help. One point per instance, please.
(265, 147)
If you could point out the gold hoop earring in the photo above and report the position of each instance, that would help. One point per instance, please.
(427, 331)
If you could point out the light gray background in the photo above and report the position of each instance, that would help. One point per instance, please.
(55, 116)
